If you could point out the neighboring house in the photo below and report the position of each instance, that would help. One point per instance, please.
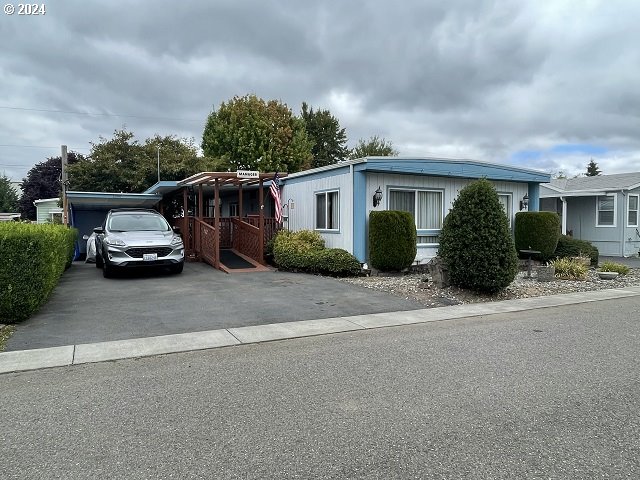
(48, 211)
(9, 217)
(336, 200)
(602, 210)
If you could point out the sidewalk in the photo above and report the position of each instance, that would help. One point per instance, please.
(141, 347)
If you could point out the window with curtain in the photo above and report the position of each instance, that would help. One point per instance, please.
(327, 211)
(424, 205)
(632, 211)
(505, 201)
(605, 211)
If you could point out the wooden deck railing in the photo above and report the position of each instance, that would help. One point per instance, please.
(246, 239)
(205, 241)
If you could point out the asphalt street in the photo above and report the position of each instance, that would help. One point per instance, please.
(548, 393)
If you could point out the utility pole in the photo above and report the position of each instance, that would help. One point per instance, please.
(65, 206)
(158, 163)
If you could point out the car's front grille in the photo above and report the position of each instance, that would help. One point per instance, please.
(139, 252)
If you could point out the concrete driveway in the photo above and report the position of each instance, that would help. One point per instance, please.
(87, 308)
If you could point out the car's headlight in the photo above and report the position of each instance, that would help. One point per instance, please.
(176, 240)
(116, 242)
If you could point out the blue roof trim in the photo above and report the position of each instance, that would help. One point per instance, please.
(448, 168)
(342, 170)
(158, 185)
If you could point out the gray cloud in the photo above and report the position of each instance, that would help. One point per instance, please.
(481, 79)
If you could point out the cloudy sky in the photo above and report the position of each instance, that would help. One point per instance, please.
(542, 84)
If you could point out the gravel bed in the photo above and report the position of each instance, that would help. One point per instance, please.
(419, 287)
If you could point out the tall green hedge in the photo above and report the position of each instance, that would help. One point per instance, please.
(392, 240)
(537, 231)
(32, 259)
(476, 242)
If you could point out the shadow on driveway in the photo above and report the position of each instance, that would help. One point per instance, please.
(87, 308)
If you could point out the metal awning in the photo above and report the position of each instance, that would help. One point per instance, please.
(106, 200)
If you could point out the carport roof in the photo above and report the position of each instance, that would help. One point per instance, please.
(102, 200)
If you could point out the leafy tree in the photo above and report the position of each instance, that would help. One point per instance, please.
(43, 181)
(8, 196)
(250, 133)
(592, 169)
(476, 242)
(123, 164)
(374, 147)
(329, 140)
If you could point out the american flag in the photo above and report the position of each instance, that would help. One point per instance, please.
(275, 193)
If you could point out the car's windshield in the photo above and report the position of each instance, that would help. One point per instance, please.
(137, 223)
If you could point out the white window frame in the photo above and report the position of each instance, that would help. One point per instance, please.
(232, 206)
(326, 210)
(420, 232)
(615, 210)
(637, 210)
(509, 211)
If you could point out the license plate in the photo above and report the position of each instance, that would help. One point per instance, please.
(150, 257)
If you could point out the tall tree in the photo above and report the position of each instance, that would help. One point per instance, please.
(123, 164)
(374, 147)
(329, 140)
(43, 181)
(250, 133)
(592, 169)
(8, 196)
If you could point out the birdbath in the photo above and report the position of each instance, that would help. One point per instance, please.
(530, 253)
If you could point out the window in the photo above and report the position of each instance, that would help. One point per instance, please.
(605, 211)
(327, 211)
(505, 201)
(424, 205)
(233, 209)
(632, 210)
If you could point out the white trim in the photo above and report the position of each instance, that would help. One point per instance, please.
(615, 210)
(509, 211)
(637, 210)
(326, 210)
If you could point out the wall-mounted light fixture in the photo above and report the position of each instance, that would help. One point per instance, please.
(524, 203)
(377, 197)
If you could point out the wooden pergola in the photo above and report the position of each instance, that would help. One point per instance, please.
(248, 239)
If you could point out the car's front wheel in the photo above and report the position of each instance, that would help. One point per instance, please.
(107, 270)
(98, 260)
(177, 268)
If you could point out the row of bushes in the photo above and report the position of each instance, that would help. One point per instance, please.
(33, 257)
(304, 251)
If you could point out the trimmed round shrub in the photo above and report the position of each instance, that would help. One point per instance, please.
(294, 250)
(336, 262)
(476, 242)
(572, 247)
(537, 231)
(392, 240)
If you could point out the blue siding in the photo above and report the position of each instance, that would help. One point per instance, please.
(359, 215)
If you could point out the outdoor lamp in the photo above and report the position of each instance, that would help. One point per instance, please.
(377, 197)
(524, 203)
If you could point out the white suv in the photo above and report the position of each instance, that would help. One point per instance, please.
(137, 238)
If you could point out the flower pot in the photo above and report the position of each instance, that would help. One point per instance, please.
(607, 275)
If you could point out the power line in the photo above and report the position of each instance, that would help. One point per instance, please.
(95, 114)
(41, 146)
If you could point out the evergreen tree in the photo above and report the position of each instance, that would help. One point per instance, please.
(476, 241)
(8, 196)
(592, 169)
(329, 140)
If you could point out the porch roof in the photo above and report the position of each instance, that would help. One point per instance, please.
(225, 178)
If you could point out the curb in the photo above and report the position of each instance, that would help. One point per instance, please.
(23, 360)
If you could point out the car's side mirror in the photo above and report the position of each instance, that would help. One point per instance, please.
(98, 230)
(176, 230)
(85, 237)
